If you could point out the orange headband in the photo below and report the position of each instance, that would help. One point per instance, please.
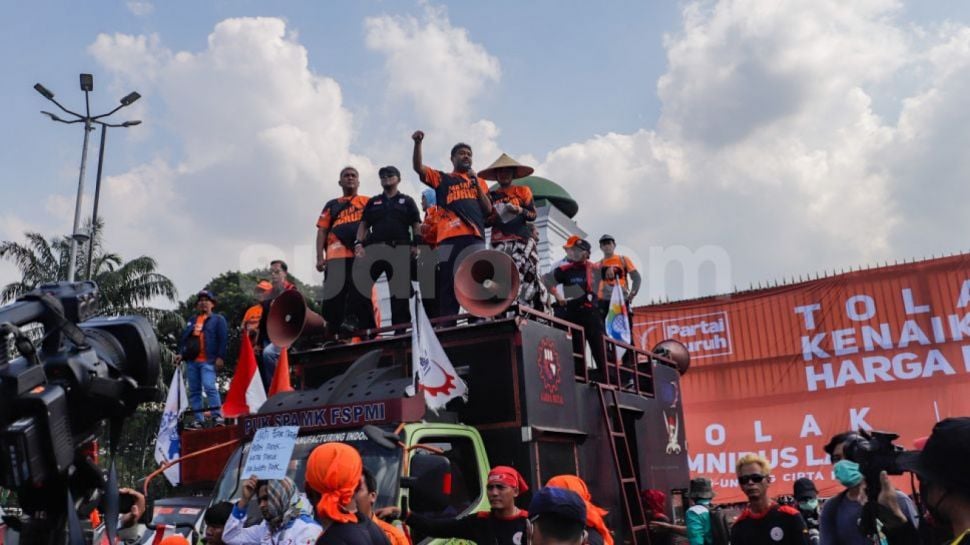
(594, 514)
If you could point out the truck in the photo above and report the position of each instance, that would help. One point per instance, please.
(531, 405)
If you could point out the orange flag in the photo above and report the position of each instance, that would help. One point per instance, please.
(281, 377)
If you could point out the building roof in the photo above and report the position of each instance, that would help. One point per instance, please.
(544, 189)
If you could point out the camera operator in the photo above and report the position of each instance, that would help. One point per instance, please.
(944, 487)
(56, 400)
(839, 524)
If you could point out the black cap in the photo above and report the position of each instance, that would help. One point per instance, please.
(604, 238)
(805, 490)
(558, 502)
(207, 294)
(700, 489)
(389, 171)
(949, 441)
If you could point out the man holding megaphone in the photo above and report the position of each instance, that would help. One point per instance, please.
(465, 205)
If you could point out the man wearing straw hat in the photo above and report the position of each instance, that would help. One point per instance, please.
(511, 222)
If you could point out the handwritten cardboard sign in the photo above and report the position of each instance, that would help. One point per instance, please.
(270, 453)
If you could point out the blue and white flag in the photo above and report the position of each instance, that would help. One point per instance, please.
(432, 368)
(167, 444)
(617, 320)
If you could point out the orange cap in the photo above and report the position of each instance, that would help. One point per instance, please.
(571, 241)
(174, 539)
(334, 470)
(264, 285)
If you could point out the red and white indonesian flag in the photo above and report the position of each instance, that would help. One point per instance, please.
(432, 368)
(167, 444)
(246, 393)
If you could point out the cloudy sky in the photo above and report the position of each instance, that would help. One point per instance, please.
(772, 138)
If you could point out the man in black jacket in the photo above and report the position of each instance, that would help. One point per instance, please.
(944, 478)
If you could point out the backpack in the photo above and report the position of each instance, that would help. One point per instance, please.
(721, 525)
(193, 345)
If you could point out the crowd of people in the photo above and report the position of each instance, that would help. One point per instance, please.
(360, 239)
(336, 505)
(842, 520)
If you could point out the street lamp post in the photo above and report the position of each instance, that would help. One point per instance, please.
(97, 187)
(87, 85)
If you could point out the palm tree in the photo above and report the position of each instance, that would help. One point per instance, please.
(125, 287)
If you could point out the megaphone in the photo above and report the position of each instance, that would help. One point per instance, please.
(676, 351)
(487, 283)
(290, 317)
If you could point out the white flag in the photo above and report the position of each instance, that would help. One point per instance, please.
(617, 322)
(432, 368)
(167, 444)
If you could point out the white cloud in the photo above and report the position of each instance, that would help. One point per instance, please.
(797, 137)
(262, 138)
(141, 8)
(768, 144)
(433, 64)
(440, 72)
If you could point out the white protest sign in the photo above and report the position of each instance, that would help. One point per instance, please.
(270, 453)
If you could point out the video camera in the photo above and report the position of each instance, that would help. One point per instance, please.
(53, 400)
(876, 452)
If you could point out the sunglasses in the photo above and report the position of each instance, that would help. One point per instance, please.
(753, 478)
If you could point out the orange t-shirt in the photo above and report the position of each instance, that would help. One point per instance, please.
(518, 228)
(394, 534)
(347, 219)
(456, 192)
(197, 330)
(621, 265)
(429, 227)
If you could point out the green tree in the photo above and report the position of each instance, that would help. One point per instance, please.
(125, 287)
(234, 291)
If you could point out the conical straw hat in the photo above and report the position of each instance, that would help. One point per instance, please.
(521, 171)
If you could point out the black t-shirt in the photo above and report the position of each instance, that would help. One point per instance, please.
(456, 193)
(483, 528)
(353, 534)
(781, 525)
(577, 281)
(389, 219)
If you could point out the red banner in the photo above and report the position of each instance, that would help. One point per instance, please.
(779, 371)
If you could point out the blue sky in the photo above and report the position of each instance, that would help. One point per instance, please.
(773, 142)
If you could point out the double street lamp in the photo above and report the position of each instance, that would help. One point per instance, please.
(87, 85)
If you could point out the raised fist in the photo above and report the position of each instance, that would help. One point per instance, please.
(417, 136)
